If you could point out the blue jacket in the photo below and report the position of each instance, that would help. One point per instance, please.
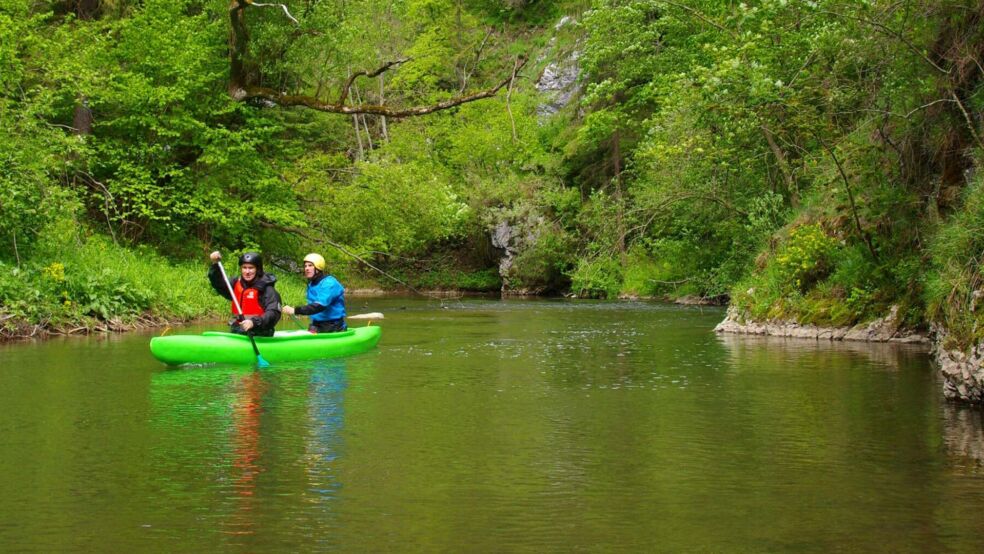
(326, 299)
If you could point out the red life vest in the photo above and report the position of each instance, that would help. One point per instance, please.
(249, 299)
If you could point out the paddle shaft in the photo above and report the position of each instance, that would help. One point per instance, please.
(297, 322)
(239, 310)
(232, 293)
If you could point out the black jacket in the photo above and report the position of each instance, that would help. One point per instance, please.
(269, 297)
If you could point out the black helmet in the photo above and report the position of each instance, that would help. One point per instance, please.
(252, 258)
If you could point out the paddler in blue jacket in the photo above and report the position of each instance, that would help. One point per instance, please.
(325, 296)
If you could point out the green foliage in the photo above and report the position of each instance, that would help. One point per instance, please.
(805, 258)
(700, 130)
(92, 280)
(543, 265)
(82, 279)
(484, 280)
(787, 287)
(29, 196)
(599, 277)
(954, 285)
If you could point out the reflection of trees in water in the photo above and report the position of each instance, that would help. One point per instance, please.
(963, 435)
(785, 349)
(962, 426)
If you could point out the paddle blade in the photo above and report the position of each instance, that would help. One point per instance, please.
(260, 362)
(371, 315)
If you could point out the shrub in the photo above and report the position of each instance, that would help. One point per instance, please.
(806, 257)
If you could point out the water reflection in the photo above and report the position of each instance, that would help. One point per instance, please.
(253, 446)
(326, 413)
(244, 437)
(914, 390)
(963, 435)
(492, 427)
(789, 352)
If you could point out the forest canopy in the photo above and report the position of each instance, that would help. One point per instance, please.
(814, 161)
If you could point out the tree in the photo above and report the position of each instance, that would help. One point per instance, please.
(242, 85)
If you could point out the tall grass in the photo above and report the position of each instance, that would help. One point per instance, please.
(83, 280)
(955, 285)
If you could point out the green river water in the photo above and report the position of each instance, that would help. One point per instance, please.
(491, 426)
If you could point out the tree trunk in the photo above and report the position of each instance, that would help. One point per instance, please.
(382, 119)
(619, 206)
(787, 174)
(82, 119)
(238, 39)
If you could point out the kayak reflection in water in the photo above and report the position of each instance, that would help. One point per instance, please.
(256, 306)
(325, 296)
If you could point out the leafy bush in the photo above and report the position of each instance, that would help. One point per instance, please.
(804, 259)
(102, 295)
(599, 277)
(542, 265)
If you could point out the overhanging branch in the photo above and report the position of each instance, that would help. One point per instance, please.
(287, 100)
(348, 83)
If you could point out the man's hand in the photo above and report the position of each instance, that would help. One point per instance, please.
(289, 310)
(215, 256)
(246, 325)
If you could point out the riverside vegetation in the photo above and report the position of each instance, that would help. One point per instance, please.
(812, 161)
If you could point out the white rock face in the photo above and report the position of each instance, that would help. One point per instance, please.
(512, 237)
(559, 81)
(559, 84)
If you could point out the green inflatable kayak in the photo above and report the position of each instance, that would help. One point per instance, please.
(284, 346)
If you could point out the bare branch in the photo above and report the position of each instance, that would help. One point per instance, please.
(284, 6)
(321, 240)
(850, 197)
(241, 87)
(465, 73)
(924, 106)
(809, 60)
(512, 120)
(377, 72)
(970, 123)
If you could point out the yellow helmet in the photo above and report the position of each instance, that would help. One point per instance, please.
(317, 260)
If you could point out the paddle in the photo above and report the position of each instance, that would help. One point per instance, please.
(370, 315)
(297, 322)
(260, 362)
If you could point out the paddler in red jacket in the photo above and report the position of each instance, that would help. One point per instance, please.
(255, 292)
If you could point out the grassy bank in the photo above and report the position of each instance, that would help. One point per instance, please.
(89, 284)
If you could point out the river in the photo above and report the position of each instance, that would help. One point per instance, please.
(491, 426)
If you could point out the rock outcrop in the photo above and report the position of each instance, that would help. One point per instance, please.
(558, 84)
(512, 238)
(885, 329)
(962, 371)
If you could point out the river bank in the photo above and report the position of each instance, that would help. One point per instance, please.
(885, 329)
(13, 328)
(962, 371)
